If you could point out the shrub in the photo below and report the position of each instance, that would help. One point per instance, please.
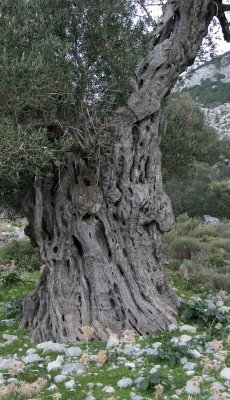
(216, 260)
(205, 230)
(184, 248)
(24, 255)
(221, 244)
(185, 228)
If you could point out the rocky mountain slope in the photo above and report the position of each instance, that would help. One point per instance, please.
(209, 84)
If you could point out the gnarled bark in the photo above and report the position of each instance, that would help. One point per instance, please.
(102, 245)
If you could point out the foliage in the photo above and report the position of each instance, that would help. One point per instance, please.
(10, 279)
(13, 310)
(187, 139)
(184, 248)
(149, 381)
(204, 317)
(65, 70)
(24, 255)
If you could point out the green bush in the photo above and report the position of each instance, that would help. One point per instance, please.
(24, 255)
(184, 248)
(205, 230)
(221, 244)
(216, 260)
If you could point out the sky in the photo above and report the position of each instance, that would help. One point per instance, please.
(222, 46)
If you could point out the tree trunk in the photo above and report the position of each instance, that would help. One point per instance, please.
(102, 243)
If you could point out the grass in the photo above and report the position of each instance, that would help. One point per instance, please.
(94, 378)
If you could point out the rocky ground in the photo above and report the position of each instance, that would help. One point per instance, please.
(190, 361)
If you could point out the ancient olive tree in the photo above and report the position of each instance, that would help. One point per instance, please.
(87, 155)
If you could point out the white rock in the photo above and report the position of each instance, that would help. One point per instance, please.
(172, 327)
(190, 373)
(225, 374)
(154, 369)
(60, 378)
(188, 328)
(130, 365)
(73, 368)
(195, 353)
(113, 341)
(192, 387)
(185, 338)
(218, 386)
(125, 382)
(134, 396)
(74, 351)
(55, 365)
(156, 345)
(55, 348)
(108, 389)
(10, 338)
(210, 220)
(189, 366)
(70, 385)
(13, 380)
(44, 345)
(7, 363)
(52, 387)
(31, 351)
(31, 358)
(224, 309)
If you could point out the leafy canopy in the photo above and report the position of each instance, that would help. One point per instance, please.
(65, 68)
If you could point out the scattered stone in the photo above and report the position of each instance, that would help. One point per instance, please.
(125, 382)
(218, 386)
(7, 363)
(130, 365)
(210, 220)
(13, 380)
(31, 358)
(55, 365)
(192, 387)
(185, 338)
(52, 387)
(55, 348)
(70, 385)
(189, 366)
(195, 353)
(10, 338)
(187, 328)
(74, 352)
(31, 351)
(113, 341)
(134, 396)
(108, 389)
(44, 345)
(225, 374)
(60, 378)
(73, 368)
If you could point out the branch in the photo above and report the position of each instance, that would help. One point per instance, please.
(224, 23)
(143, 6)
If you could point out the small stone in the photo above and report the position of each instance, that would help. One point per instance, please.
(55, 348)
(154, 369)
(13, 380)
(70, 385)
(185, 338)
(44, 345)
(125, 382)
(190, 373)
(52, 387)
(130, 365)
(172, 327)
(7, 363)
(225, 374)
(31, 351)
(156, 345)
(218, 386)
(134, 396)
(31, 358)
(55, 365)
(74, 351)
(10, 338)
(195, 353)
(192, 387)
(224, 310)
(189, 366)
(188, 328)
(108, 389)
(60, 378)
(112, 341)
(73, 368)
